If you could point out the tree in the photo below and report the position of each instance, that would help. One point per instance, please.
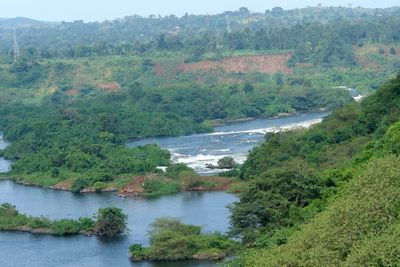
(244, 11)
(110, 222)
(278, 78)
(248, 88)
(227, 163)
(277, 11)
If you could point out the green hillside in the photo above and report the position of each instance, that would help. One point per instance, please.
(328, 196)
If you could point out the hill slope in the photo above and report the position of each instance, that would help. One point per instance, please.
(19, 22)
(328, 196)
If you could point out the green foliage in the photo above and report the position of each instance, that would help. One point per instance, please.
(172, 240)
(79, 184)
(110, 222)
(350, 231)
(174, 170)
(227, 163)
(349, 204)
(80, 138)
(308, 31)
(268, 202)
(156, 187)
(12, 220)
(67, 227)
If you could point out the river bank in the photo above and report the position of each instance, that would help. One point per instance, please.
(149, 185)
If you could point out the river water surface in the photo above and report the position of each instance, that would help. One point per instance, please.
(206, 209)
(234, 140)
(4, 164)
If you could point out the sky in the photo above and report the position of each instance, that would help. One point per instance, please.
(99, 10)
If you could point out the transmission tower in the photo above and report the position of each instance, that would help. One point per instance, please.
(16, 47)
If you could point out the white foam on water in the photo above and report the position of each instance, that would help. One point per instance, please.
(287, 127)
(222, 150)
(198, 162)
(358, 98)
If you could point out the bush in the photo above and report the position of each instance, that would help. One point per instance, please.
(110, 222)
(87, 224)
(172, 240)
(174, 170)
(66, 227)
(100, 186)
(79, 184)
(155, 187)
(227, 163)
(55, 172)
(40, 222)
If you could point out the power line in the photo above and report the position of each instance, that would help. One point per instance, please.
(16, 47)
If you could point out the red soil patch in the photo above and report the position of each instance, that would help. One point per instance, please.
(243, 64)
(64, 185)
(134, 188)
(163, 70)
(114, 86)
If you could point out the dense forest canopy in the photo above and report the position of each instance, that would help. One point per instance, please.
(320, 35)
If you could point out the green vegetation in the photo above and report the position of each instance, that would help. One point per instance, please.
(109, 222)
(79, 139)
(227, 163)
(319, 197)
(69, 106)
(326, 196)
(172, 240)
(350, 231)
(320, 35)
(180, 177)
(157, 187)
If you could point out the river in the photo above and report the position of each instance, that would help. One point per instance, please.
(4, 164)
(206, 209)
(234, 140)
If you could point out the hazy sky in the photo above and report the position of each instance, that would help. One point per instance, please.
(97, 10)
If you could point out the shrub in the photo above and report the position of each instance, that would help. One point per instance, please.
(227, 163)
(170, 239)
(110, 222)
(79, 184)
(174, 170)
(154, 187)
(66, 227)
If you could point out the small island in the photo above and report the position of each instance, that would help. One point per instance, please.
(106, 222)
(172, 240)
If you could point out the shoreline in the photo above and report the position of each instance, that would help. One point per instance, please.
(44, 231)
(227, 183)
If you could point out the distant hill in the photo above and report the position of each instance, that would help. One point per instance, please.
(19, 22)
